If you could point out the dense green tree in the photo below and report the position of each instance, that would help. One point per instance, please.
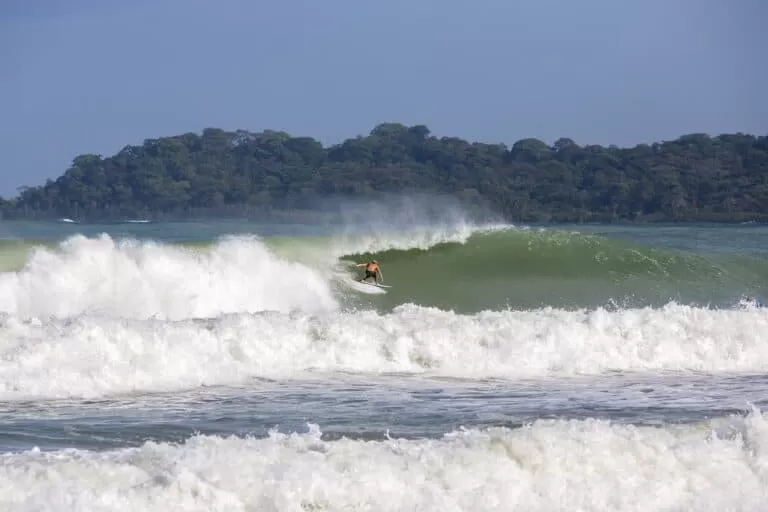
(696, 177)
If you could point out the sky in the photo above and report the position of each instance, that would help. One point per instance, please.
(92, 76)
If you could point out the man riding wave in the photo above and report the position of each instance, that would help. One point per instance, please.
(372, 270)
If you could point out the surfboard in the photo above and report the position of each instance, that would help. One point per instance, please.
(375, 284)
(370, 288)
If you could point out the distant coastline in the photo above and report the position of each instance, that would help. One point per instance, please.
(273, 175)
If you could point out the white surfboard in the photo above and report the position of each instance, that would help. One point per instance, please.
(370, 288)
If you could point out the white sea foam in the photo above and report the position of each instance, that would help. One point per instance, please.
(551, 465)
(131, 279)
(93, 356)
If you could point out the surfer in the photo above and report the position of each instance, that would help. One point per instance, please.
(372, 270)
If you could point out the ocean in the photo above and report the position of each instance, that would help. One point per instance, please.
(235, 366)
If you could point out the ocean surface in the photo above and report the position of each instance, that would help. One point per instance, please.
(236, 366)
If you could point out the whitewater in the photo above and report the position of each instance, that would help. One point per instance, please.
(234, 365)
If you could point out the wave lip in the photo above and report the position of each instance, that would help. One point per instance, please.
(419, 238)
(550, 465)
(92, 356)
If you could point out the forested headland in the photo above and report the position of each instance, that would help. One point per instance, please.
(219, 173)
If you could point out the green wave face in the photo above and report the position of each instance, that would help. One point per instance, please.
(533, 269)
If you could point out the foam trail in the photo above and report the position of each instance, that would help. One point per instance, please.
(551, 465)
(131, 279)
(94, 356)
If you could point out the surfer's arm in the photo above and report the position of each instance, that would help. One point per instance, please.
(381, 276)
(360, 264)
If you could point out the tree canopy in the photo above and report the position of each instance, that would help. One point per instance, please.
(695, 177)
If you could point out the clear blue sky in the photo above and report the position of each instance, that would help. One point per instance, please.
(92, 76)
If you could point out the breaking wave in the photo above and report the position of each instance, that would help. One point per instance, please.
(91, 356)
(549, 465)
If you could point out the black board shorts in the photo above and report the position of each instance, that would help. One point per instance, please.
(369, 273)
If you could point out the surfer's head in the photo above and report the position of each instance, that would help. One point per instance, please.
(374, 261)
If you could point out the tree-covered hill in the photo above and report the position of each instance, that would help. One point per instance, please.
(696, 177)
